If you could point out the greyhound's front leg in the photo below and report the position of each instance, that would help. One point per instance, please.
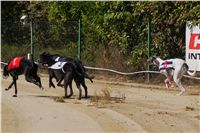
(71, 91)
(10, 86)
(59, 82)
(170, 77)
(39, 81)
(51, 83)
(167, 83)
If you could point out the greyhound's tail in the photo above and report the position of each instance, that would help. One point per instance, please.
(82, 69)
(188, 72)
(191, 73)
(76, 71)
(89, 77)
(72, 66)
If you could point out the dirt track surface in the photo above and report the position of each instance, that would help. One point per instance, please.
(129, 108)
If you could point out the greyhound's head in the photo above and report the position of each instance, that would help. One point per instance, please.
(44, 58)
(153, 60)
(5, 72)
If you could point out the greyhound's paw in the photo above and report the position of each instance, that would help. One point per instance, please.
(92, 77)
(42, 88)
(167, 86)
(61, 85)
(172, 85)
(179, 94)
(66, 97)
(79, 98)
(6, 89)
(51, 86)
(15, 95)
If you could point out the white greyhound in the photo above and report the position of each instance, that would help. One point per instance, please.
(173, 69)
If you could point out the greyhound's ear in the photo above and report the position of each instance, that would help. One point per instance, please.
(153, 57)
(43, 53)
(5, 67)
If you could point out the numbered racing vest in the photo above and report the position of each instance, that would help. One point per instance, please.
(58, 65)
(14, 63)
(167, 64)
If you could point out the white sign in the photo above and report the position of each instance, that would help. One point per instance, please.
(193, 46)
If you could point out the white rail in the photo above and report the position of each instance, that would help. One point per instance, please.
(123, 73)
(4, 63)
(132, 73)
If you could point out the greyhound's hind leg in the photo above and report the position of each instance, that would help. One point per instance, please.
(68, 81)
(32, 80)
(178, 82)
(65, 87)
(178, 74)
(38, 80)
(180, 93)
(180, 86)
(80, 92)
(71, 90)
(85, 87)
(79, 88)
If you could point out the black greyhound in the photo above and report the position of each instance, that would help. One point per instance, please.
(78, 64)
(79, 77)
(66, 71)
(21, 66)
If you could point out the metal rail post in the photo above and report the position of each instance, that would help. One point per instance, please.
(149, 46)
(32, 43)
(79, 39)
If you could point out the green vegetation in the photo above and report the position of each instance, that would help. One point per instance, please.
(114, 34)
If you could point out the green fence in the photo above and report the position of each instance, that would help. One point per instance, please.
(104, 48)
(49, 37)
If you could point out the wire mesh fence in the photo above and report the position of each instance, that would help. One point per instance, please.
(116, 51)
(49, 37)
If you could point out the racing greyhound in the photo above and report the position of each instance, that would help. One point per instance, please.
(173, 69)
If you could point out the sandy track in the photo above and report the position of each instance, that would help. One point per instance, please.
(36, 111)
(144, 109)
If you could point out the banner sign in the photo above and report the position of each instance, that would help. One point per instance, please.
(193, 46)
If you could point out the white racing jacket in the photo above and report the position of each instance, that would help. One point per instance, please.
(166, 64)
(58, 65)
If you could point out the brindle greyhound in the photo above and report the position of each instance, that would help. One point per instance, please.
(26, 67)
(173, 69)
